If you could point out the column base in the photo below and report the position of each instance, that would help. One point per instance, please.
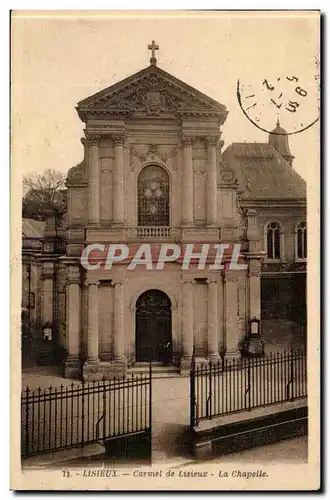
(72, 368)
(232, 355)
(185, 366)
(92, 370)
(254, 346)
(214, 358)
(92, 225)
(118, 368)
(103, 370)
(118, 224)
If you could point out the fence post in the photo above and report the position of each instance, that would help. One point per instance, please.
(150, 410)
(150, 395)
(210, 391)
(27, 422)
(290, 382)
(104, 408)
(83, 414)
(249, 383)
(192, 396)
(292, 374)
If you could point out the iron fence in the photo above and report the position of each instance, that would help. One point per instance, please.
(235, 386)
(77, 415)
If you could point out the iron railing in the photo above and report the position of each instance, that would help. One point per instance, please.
(235, 386)
(77, 415)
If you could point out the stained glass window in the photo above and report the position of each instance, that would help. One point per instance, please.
(153, 197)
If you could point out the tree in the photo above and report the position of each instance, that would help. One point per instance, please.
(42, 193)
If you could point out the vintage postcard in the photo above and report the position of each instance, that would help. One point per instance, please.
(165, 301)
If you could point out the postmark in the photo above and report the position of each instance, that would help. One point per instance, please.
(287, 97)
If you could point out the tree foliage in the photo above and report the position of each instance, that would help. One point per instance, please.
(43, 193)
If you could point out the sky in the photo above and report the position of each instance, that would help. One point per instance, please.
(61, 58)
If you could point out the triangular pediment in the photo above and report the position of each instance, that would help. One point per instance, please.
(151, 91)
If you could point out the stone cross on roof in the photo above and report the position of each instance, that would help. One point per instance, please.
(153, 47)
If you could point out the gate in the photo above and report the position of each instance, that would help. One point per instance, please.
(101, 411)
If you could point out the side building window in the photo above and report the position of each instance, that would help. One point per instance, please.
(273, 235)
(301, 240)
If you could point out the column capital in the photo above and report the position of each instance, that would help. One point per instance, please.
(47, 271)
(254, 268)
(212, 281)
(212, 140)
(47, 275)
(91, 281)
(73, 274)
(187, 141)
(187, 280)
(93, 140)
(118, 140)
(117, 281)
(230, 276)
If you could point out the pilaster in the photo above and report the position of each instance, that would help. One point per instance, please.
(118, 180)
(212, 320)
(93, 180)
(48, 293)
(231, 326)
(119, 364)
(254, 343)
(187, 182)
(72, 364)
(212, 187)
(187, 324)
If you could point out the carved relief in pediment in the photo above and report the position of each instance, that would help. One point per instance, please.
(152, 95)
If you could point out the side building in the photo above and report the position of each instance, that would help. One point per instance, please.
(273, 196)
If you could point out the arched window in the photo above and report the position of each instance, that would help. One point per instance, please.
(273, 240)
(153, 197)
(301, 240)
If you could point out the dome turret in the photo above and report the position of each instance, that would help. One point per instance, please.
(278, 138)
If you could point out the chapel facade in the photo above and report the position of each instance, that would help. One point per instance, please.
(154, 172)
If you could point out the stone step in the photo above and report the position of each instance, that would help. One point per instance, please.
(158, 371)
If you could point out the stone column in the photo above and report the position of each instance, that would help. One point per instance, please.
(118, 181)
(187, 183)
(212, 187)
(231, 326)
(48, 295)
(119, 359)
(93, 324)
(72, 364)
(93, 180)
(212, 323)
(187, 324)
(255, 344)
(254, 281)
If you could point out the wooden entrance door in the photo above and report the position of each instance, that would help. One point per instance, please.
(153, 327)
